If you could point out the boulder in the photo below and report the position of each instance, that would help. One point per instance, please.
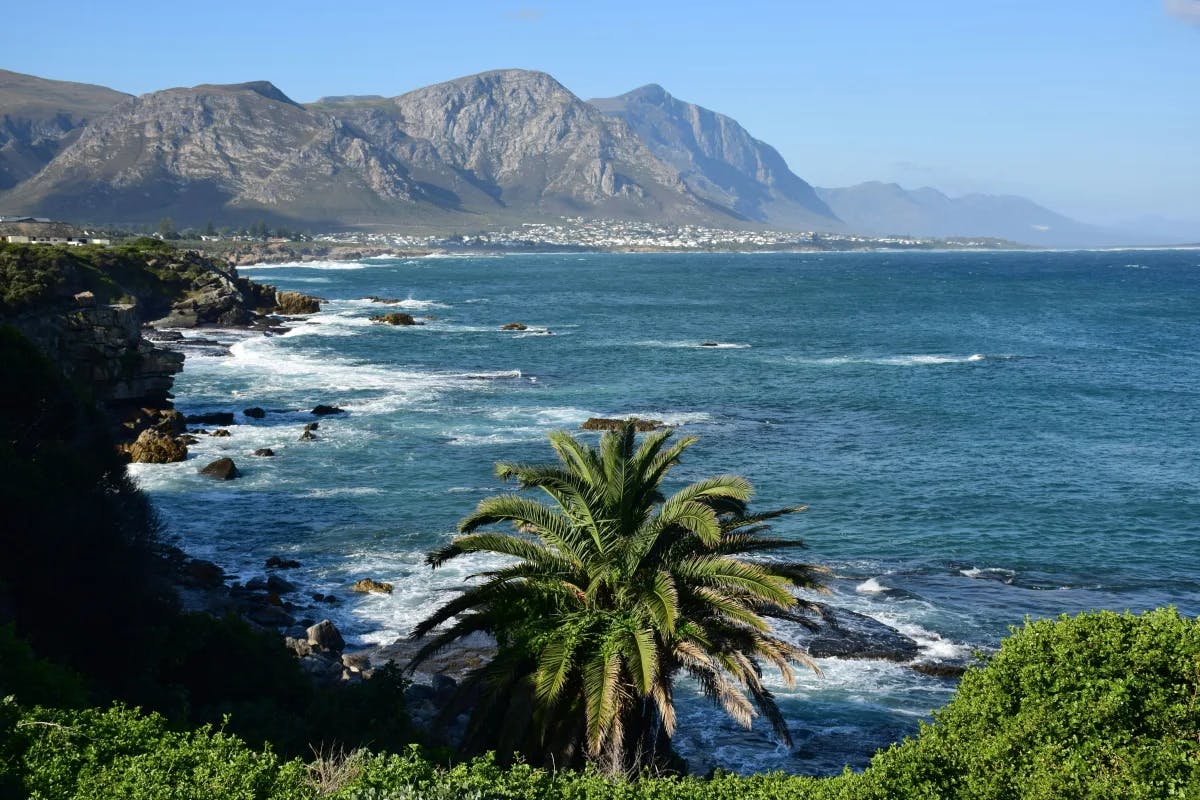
(257, 584)
(187, 438)
(84, 299)
(296, 303)
(220, 432)
(708, 344)
(514, 326)
(322, 410)
(153, 447)
(308, 436)
(275, 562)
(607, 424)
(312, 426)
(254, 412)
(941, 669)
(326, 636)
(300, 647)
(264, 451)
(198, 572)
(371, 585)
(214, 418)
(269, 616)
(222, 469)
(279, 585)
(395, 318)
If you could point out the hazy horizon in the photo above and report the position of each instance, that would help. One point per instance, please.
(1086, 109)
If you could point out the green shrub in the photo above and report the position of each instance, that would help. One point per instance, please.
(120, 754)
(1102, 705)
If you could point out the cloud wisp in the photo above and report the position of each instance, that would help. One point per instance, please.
(1186, 10)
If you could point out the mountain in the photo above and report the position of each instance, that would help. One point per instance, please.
(516, 143)
(886, 208)
(38, 117)
(719, 160)
(236, 151)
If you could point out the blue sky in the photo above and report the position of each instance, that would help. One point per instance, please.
(1091, 108)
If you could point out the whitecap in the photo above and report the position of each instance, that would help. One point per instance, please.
(318, 265)
(871, 586)
(989, 573)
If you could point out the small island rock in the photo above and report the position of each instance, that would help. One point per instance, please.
(153, 447)
(371, 585)
(264, 451)
(322, 410)
(607, 424)
(222, 469)
(514, 326)
(254, 412)
(395, 318)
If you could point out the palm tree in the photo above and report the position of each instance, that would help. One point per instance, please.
(608, 595)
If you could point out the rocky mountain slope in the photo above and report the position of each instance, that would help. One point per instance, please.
(719, 160)
(38, 117)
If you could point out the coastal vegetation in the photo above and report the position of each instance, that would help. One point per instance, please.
(616, 592)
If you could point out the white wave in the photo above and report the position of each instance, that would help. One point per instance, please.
(989, 573)
(498, 436)
(411, 303)
(691, 344)
(353, 491)
(871, 586)
(673, 417)
(897, 361)
(318, 265)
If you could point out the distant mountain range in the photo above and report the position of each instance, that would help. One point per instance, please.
(496, 148)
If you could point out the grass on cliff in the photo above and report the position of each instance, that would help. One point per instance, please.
(145, 270)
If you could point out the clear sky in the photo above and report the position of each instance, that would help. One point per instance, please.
(1091, 107)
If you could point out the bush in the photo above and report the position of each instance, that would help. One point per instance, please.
(1103, 705)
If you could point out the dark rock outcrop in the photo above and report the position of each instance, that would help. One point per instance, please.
(395, 318)
(514, 326)
(607, 424)
(324, 410)
(294, 303)
(326, 636)
(372, 585)
(847, 634)
(254, 413)
(308, 436)
(277, 562)
(222, 469)
(264, 451)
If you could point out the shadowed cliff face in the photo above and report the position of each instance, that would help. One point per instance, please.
(718, 159)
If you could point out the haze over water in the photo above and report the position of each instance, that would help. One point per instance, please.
(979, 436)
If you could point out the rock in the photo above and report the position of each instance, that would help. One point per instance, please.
(322, 668)
(269, 616)
(214, 418)
(300, 647)
(356, 661)
(222, 469)
(254, 413)
(198, 572)
(395, 318)
(257, 584)
(279, 585)
(324, 410)
(153, 447)
(308, 436)
(326, 636)
(606, 424)
(391, 301)
(296, 303)
(274, 599)
(708, 344)
(371, 585)
(847, 634)
(514, 326)
(264, 451)
(275, 562)
(941, 670)
(220, 432)
(443, 684)
(187, 438)
(84, 299)
(312, 426)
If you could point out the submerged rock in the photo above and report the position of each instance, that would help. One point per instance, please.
(514, 326)
(275, 562)
(254, 412)
(606, 424)
(221, 432)
(264, 451)
(371, 585)
(222, 469)
(214, 418)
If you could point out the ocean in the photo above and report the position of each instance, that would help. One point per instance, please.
(980, 437)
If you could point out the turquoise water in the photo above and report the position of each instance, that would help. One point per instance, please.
(979, 436)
